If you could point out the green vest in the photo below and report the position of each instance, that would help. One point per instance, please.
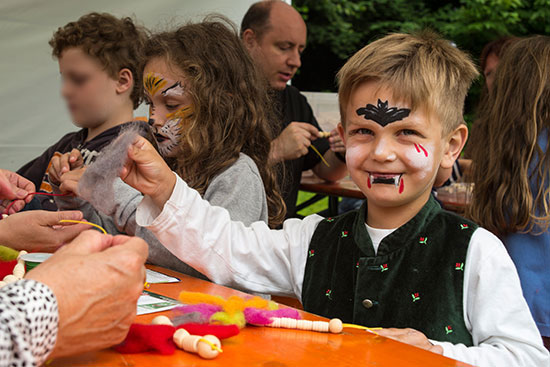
(415, 280)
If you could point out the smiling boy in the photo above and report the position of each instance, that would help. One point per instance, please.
(429, 277)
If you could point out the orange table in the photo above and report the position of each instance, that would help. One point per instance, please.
(263, 346)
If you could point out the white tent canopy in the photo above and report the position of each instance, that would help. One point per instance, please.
(33, 113)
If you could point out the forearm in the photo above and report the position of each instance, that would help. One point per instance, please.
(275, 153)
(336, 171)
(254, 258)
(28, 323)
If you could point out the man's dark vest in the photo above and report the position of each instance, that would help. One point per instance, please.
(415, 281)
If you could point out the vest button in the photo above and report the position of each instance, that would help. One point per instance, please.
(367, 303)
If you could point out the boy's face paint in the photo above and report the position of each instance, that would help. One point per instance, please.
(169, 105)
(382, 114)
(392, 153)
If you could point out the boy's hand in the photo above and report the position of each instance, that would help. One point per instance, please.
(412, 337)
(63, 163)
(147, 172)
(68, 184)
(293, 142)
(14, 187)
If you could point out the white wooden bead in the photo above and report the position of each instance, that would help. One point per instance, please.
(335, 326)
(10, 279)
(19, 271)
(4, 216)
(320, 326)
(178, 337)
(21, 253)
(189, 343)
(305, 324)
(161, 320)
(205, 350)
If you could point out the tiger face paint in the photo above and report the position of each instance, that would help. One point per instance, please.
(169, 104)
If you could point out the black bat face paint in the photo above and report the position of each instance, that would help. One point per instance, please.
(383, 115)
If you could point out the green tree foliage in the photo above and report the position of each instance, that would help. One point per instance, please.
(338, 28)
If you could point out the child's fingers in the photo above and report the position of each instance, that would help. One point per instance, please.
(75, 159)
(69, 187)
(64, 164)
(54, 169)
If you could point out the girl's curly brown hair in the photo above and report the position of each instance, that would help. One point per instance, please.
(232, 106)
(115, 43)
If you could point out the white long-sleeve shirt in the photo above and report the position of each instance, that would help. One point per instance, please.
(259, 259)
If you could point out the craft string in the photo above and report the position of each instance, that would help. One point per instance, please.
(32, 193)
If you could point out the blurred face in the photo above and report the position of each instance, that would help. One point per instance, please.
(279, 49)
(392, 153)
(89, 91)
(169, 104)
(490, 67)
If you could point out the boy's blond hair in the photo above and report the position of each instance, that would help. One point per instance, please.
(421, 69)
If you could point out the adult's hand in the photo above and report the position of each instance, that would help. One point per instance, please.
(39, 230)
(336, 142)
(14, 187)
(97, 280)
(293, 142)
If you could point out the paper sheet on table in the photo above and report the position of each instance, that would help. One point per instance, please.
(150, 302)
(154, 277)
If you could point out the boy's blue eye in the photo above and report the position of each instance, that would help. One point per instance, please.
(408, 132)
(363, 131)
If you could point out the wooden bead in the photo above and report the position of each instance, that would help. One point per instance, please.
(205, 350)
(4, 216)
(178, 337)
(19, 271)
(207, 346)
(189, 343)
(320, 326)
(305, 324)
(21, 253)
(161, 320)
(334, 326)
(10, 279)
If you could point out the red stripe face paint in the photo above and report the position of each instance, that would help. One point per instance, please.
(369, 185)
(418, 147)
(401, 186)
